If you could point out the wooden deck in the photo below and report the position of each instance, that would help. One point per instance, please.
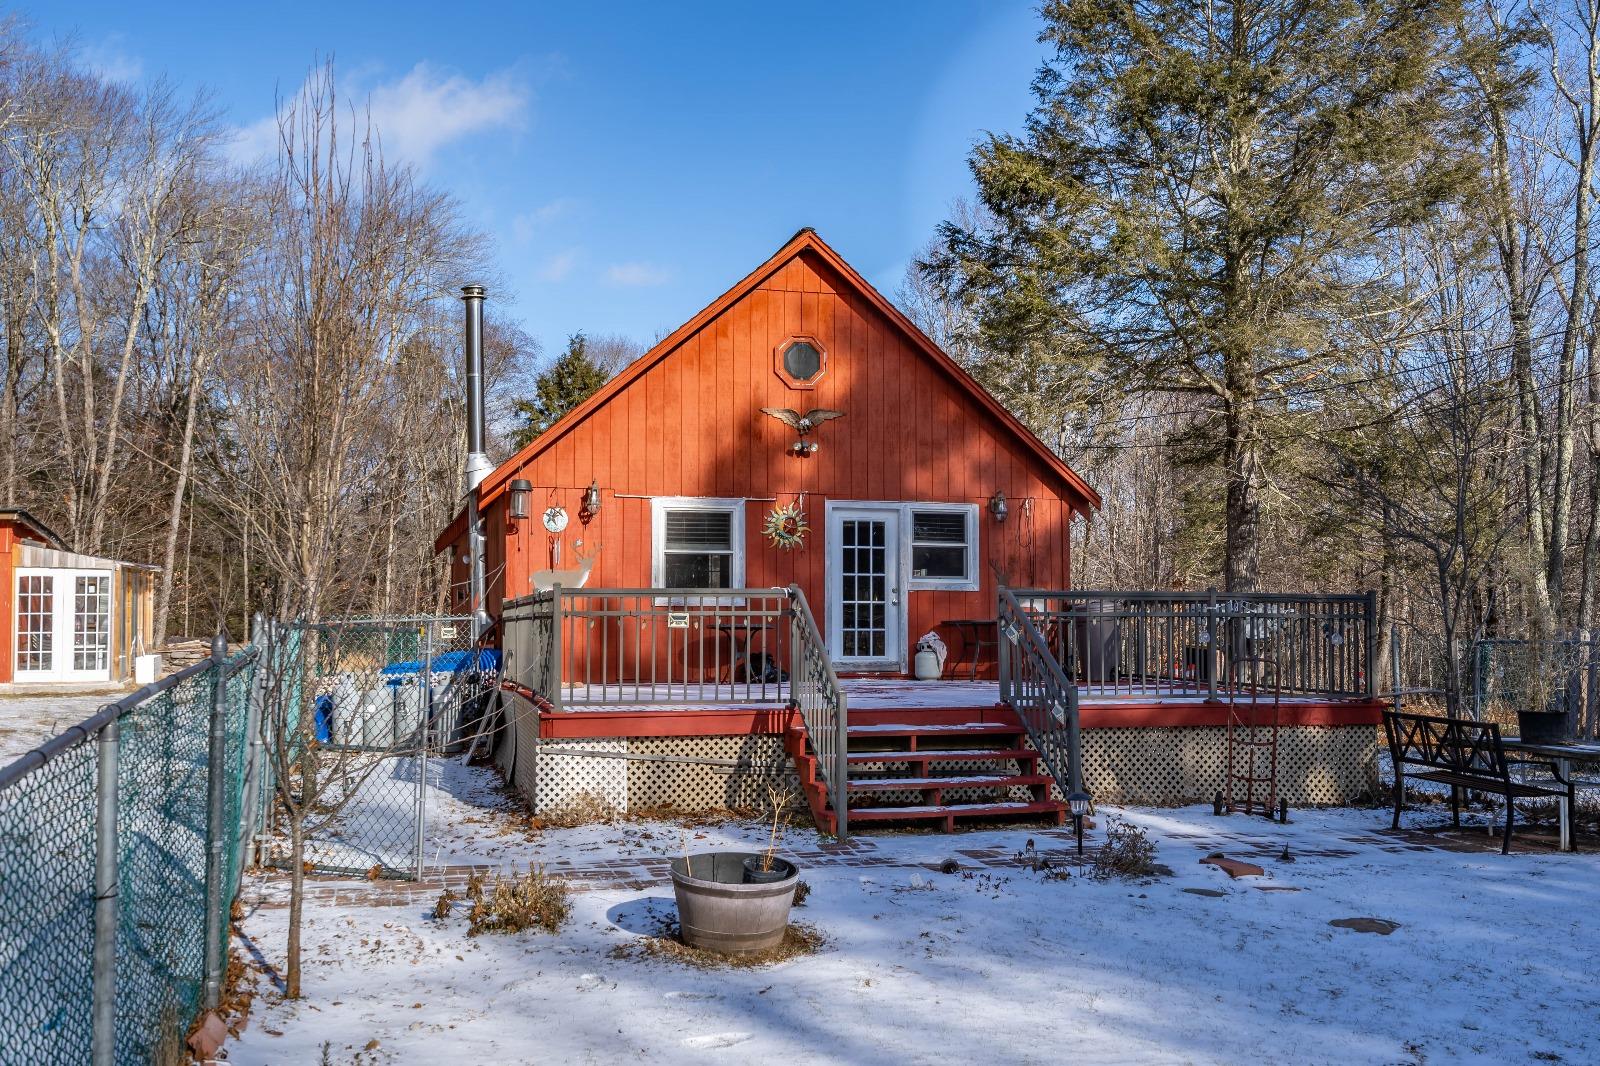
(966, 701)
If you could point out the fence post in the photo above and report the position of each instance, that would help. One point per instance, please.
(216, 831)
(103, 1038)
(422, 753)
(1211, 647)
(554, 695)
(252, 804)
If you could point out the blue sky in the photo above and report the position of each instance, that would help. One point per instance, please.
(631, 161)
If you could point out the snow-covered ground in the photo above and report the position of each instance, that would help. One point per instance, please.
(28, 721)
(1492, 961)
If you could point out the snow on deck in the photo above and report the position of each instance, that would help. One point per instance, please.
(870, 693)
(997, 962)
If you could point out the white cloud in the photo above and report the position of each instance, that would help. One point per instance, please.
(427, 109)
(416, 115)
(637, 274)
(109, 60)
(558, 266)
(528, 223)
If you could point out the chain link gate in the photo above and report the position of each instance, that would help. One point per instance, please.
(360, 712)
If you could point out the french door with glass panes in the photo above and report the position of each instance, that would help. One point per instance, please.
(866, 616)
(63, 625)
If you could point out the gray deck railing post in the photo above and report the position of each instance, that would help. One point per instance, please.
(553, 679)
(103, 1038)
(841, 771)
(1212, 654)
(1394, 664)
(216, 829)
(1003, 649)
(1370, 639)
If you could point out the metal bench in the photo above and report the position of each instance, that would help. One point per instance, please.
(1464, 755)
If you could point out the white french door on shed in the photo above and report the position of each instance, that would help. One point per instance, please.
(866, 603)
(63, 625)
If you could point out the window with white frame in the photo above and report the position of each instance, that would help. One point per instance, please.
(944, 546)
(698, 543)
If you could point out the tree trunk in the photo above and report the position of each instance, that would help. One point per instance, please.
(180, 489)
(297, 897)
(1242, 471)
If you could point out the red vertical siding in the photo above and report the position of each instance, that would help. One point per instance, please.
(690, 425)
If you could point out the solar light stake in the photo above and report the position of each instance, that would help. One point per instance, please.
(1078, 804)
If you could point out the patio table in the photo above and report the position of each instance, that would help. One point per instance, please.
(1563, 754)
(972, 638)
(740, 634)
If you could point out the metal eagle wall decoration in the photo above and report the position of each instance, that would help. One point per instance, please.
(802, 424)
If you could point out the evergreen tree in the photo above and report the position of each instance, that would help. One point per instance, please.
(1201, 203)
(568, 382)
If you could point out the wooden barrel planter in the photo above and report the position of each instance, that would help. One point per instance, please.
(721, 909)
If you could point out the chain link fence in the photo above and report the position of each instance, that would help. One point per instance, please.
(360, 713)
(120, 855)
(1559, 676)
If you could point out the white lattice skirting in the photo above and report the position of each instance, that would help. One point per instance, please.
(1317, 765)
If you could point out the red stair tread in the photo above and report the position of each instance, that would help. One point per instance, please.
(936, 754)
(954, 810)
(919, 783)
(911, 729)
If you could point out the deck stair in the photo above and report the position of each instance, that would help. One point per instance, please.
(932, 766)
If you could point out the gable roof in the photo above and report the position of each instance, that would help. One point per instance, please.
(805, 240)
(15, 516)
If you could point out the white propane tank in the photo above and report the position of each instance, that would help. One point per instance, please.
(926, 666)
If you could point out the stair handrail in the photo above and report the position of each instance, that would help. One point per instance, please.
(1035, 685)
(816, 693)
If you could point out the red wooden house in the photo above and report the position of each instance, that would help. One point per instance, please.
(686, 468)
(793, 487)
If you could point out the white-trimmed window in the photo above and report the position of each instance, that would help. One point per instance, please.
(944, 546)
(697, 543)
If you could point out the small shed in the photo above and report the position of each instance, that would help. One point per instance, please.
(67, 618)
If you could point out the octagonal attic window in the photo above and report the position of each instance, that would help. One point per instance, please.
(801, 361)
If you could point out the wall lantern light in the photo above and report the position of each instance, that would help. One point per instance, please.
(997, 506)
(1078, 805)
(521, 490)
(591, 501)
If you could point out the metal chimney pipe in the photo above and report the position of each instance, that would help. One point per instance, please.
(472, 297)
(477, 462)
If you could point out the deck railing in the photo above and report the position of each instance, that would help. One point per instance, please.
(1165, 644)
(823, 708)
(1040, 690)
(600, 648)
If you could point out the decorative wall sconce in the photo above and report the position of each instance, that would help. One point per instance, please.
(998, 507)
(521, 491)
(591, 501)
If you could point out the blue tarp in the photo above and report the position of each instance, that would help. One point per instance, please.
(450, 662)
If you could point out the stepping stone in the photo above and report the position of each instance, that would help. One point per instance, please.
(1233, 867)
(1212, 892)
(1382, 926)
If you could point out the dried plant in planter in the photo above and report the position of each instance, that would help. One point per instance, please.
(778, 798)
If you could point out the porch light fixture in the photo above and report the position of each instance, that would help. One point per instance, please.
(997, 505)
(521, 490)
(1078, 805)
(591, 501)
